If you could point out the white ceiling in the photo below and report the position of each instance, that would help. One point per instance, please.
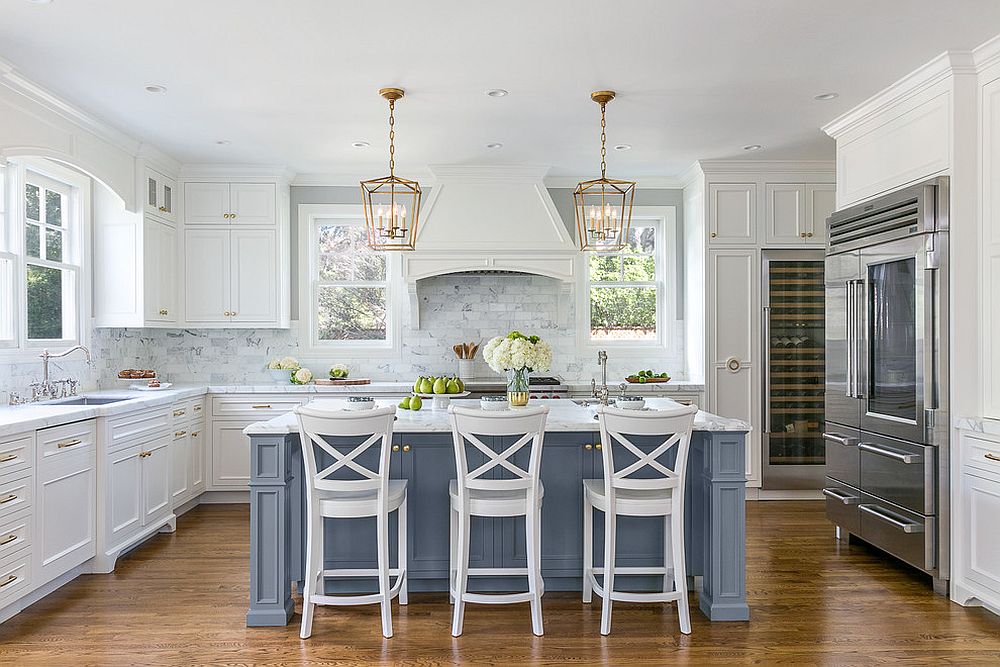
(295, 82)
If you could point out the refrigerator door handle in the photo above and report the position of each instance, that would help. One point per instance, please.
(860, 339)
(930, 340)
(850, 339)
(767, 369)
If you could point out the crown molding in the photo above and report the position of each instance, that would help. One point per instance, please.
(158, 159)
(713, 167)
(987, 54)
(229, 171)
(691, 175)
(939, 69)
(643, 182)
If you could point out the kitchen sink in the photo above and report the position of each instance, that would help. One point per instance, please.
(586, 402)
(91, 400)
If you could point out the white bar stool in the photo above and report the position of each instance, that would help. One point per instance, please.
(475, 493)
(369, 494)
(661, 493)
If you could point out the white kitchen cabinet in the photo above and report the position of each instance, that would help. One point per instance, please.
(180, 467)
(253, 266)
(732, 213)
(230, 203)
(821, 202)
(160, 195)
(981, 506)
(156, 480)
(230, 454)
(160, 272)
(207, 259)
(196, 471)
(123, 508)
(785, 212)
(65, 501)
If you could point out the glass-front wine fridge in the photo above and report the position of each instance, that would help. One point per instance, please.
(794, 374)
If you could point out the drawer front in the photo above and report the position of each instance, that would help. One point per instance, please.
(15, 496)
(260, 407)
(909, 536)
(16, 454)
(15, 534)
(197, 408)
(138, 427)
(981, 454)
(843, 462)
(842, 505)
(56, 443)
(897, 471)
(15, 576)
(180, 412)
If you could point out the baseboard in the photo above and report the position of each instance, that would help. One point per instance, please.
(34, 596)
(223, 497)
(789, 494)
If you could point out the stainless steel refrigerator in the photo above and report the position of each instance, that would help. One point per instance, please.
(794, 369)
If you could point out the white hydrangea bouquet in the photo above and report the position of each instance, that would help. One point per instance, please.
(518, 356)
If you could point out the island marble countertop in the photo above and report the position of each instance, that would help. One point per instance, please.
(564, 415)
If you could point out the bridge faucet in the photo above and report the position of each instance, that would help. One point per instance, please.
(601, 393)
(47, 388)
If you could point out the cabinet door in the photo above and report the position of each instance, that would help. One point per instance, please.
(733, 354)
(156, 480)
(252, 203)
(160, 271)
(821, 201)
(123, 514)
(785, 212)
(206, 275)
(206, 203)
(255, 280)
(230, 454)
(168, 198)
(196, 473)
(66, 515)
(732, 213)
(982, 500)
(180, 466)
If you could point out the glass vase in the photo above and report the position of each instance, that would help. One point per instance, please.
(517, 387)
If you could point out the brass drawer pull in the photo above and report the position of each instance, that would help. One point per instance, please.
(197, 408)
(195, 434)
(406, 448)
(588, 446)
(991, 456)
(11, 578)
(143, 455)
(178, 434)
(7, 457)
(68, 443)
(7, 540)
(179, 413)
(261, 407)
(9, 498)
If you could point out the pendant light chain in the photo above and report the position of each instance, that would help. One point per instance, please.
(604, 150)
(392, 138)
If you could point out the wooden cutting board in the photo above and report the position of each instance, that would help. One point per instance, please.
(343, 383)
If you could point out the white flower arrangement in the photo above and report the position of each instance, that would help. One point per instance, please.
(515, 351)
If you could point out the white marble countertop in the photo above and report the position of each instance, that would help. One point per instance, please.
(564, 415)
(977, 425)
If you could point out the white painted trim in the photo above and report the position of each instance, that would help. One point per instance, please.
(765, 168)
(987, 54)
(236, 172)
(308, 214)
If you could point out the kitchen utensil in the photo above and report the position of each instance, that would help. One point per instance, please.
(342, 383)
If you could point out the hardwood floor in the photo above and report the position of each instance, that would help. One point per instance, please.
(180, 600)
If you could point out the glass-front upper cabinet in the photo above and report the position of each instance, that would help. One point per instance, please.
(159, 195)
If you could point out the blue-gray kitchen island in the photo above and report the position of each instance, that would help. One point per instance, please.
(423, 454)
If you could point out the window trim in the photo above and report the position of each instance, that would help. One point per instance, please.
(77, 244)
(310, 215)
(664, 218)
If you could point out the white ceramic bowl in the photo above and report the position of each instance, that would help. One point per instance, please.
(360, 402)
(630, 402)
(494, 402)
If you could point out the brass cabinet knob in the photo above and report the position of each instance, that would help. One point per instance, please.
(395, 448)
(406, 448)
(588, 446)
(227, 313)
(163, 311)
(712, 235)
(802, 235)
(597, 446)
(233, 314)
(232, 215)
(225, 215)
(809, 234)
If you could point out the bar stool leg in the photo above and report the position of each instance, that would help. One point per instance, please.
(401, 549)
(452, 550)
(609, 570)
(383, 572)
(680, 574)
(531, 537)
(461, 572)
(311, 576)
(588, 549)
(668, 561)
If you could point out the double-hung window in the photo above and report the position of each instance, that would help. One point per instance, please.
(349, 298)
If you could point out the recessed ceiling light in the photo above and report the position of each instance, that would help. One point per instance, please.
(155, 88)
(493, 145)
(752, 147)
(360, 144)
(496, 92)
(623, 147)
(823, 97)
(223, 142)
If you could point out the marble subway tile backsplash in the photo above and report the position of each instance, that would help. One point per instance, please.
(452, 309)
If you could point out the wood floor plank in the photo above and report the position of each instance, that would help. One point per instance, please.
(180, 599)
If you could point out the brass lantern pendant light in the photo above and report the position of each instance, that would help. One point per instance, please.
(391, 203)
(604, 205)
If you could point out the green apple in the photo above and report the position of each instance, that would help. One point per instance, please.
(416, 403)
(405, 403)
(440, 386)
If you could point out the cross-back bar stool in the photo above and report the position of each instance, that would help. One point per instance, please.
(636, 483)
(348, 488)
(498, 487)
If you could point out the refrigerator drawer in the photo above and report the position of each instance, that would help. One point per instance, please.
(843, 460)
(909, 536)
(898, 471)
(842, 505)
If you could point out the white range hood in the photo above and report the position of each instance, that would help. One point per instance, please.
(494, 218)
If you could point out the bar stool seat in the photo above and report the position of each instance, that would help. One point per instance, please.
(353, 504)
(630, 502)
(495, 502)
